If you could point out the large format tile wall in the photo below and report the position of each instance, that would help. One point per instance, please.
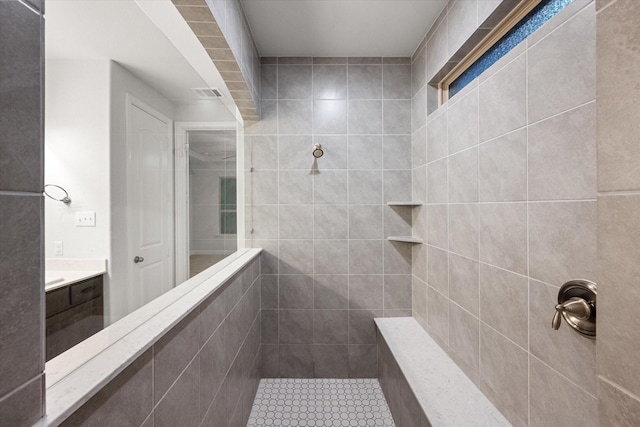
(618, 343)
(21, 213)
(204, 371)
(322, 224)
(508, 170)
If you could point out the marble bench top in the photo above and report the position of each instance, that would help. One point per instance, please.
(447, 396)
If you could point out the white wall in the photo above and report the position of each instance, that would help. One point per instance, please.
(77, 154)
(123, 296)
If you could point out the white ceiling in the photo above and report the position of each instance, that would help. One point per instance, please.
(340, 27)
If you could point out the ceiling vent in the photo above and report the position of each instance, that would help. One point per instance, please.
(207, 93)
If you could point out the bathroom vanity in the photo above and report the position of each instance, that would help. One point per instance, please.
(74, 303)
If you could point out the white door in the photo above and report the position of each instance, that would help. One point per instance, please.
(150, 194)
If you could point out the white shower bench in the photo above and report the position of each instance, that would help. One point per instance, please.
(423, 386)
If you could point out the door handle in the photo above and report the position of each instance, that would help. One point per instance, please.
(138, 259)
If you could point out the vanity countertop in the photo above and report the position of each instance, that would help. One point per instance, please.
(66, 271)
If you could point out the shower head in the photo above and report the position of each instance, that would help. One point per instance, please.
(317, 151)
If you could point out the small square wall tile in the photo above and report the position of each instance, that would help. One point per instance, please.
(365, 152)
(296, 361)
(295, 326)
(331, 187)
(363, 361)
(397, 292)
(365, 257)
(330, 116)
(294, 117)
(330, 361)
(296, 291)
(294, 81)
(295, 256)
(330, 222)
(330, 81)
(295, 187)
(365, 291)
(331, 291)
(365, 117)
(331, 256)
(365, 81)
(365, 222)
(365, 187)
(396, 185)
(295, 221)
(330, 326)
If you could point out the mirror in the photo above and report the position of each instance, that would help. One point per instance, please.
(147, 153)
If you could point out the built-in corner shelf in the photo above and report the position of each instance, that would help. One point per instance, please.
(405, 239)
(411, 204)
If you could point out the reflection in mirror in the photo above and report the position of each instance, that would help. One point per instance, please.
(116, 88)
(212, 198)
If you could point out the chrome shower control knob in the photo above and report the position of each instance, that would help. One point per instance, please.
(577, 305)
(138, 259)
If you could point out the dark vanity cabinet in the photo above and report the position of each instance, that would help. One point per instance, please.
(74, 313)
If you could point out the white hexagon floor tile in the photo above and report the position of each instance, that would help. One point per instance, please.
(320, 403)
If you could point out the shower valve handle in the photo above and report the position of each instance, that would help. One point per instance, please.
(575, 306)
(138, 259)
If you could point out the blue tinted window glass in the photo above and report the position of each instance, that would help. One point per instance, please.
(544, 11)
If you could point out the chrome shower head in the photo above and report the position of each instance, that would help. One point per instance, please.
(317, 151)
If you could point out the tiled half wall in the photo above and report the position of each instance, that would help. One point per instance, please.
(202, 372)
(328, 269)
(507, 168)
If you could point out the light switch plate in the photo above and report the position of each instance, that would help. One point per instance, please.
(86, 219)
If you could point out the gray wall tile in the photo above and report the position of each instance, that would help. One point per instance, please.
(503, 168)
(503, 100)
(562, 67)
(21, 153)
(549, 408)
(504, 369)
(21, 290)
(562, 152)
(503, 235)
(125, 401)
